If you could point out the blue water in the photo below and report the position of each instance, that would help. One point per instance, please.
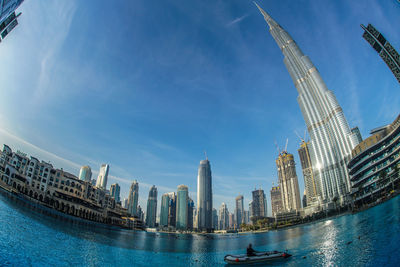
(30, 238)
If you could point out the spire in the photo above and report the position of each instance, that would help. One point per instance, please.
(271, 22)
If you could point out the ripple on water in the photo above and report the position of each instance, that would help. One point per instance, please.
(33, 239)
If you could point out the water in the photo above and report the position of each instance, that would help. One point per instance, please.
(29, 238)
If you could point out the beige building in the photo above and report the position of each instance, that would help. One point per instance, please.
(288, 182)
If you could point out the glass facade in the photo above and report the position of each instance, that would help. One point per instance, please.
(204, 197)
(151, 213)
(331, 139)
(85, 174)
(133, 198)
(8, 17)
(182, 208)
(385, 50)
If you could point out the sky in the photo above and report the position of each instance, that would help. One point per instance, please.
(150, 86)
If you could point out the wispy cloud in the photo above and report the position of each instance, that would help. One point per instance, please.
(236, 20)
(44, 153)
(57, 32)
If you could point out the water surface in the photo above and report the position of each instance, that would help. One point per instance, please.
(369, 238)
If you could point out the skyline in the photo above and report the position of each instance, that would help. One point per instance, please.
(256, 156)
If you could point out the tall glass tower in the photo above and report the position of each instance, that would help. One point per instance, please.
(331, 139)
(164, 210)
(239, 210)
(151, 207)
(115, 190)
(133, 198)
(204, 197)
(182, 207)
(85, 174)
(103, 176)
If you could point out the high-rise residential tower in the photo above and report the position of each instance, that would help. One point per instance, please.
(215, 219)
(190, 225)
(182, 207)
(133, 198)
(85, 174)
(204, 197)
(223, 217)
(331, 139)
(165, 201)
(288, 183)
(103, 176)
(115, 192)
(239, 210)
(172, 209)
(151, 213)
(258, 205)
(276, 200)
(310, 184)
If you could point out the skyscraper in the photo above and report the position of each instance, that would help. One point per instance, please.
(151, 213)
(215, 219)
(172, 209)
(288, 182)
(384, 49)
(223, 217)
(258, 206)
(165, 201)
(239, 210)
(182, 207)
(85, 174)
(331, 139)
(276, 200)
(133, 198)
(232, 221)
(204, 197)
(311, 186)
(8, 17)
(103, 176)
(115, 192)
(190, 214)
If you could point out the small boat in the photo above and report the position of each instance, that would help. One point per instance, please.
(258, 258)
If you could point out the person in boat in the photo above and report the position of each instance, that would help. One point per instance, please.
(251, 251)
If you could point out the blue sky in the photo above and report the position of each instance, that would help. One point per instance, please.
(148, 86)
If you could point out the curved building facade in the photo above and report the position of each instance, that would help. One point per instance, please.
(374, 165)
(331, 139)
(85, 174)
(204, 197)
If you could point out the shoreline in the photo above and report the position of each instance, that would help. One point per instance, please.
(36, 206)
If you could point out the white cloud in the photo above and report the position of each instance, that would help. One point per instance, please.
(237, 20)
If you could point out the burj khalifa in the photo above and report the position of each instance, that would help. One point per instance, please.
(331, 138)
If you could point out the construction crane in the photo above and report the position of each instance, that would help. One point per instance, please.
(287, 140)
